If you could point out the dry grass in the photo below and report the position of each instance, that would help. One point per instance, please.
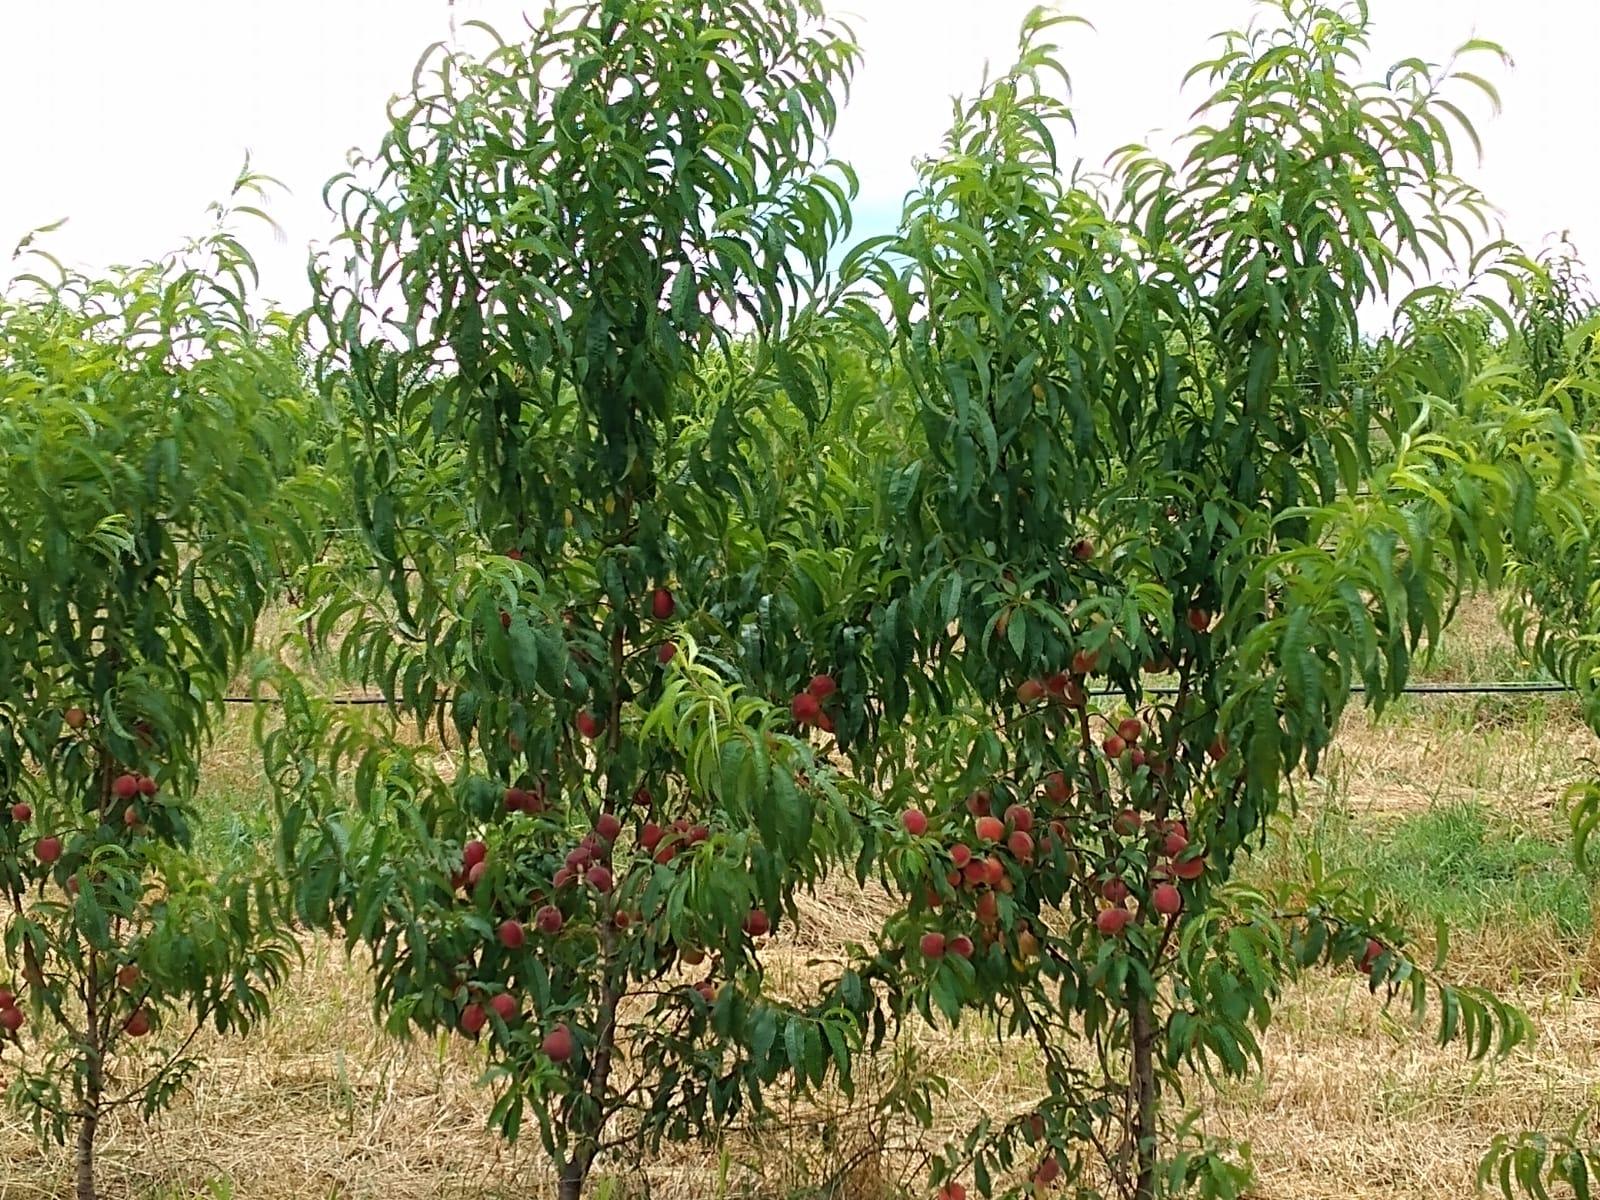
(1351, 1104)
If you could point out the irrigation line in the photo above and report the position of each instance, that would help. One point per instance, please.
(1495, 688)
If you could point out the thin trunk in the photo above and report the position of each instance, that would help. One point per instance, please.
(89, 1116)
(1143, 1085)
(85, 1156)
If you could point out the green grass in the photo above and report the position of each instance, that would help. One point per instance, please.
(1462, 861)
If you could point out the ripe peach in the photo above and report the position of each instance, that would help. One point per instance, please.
(11, 1019)
(505, 1007)
(147, 786)
(1114, 891)
(47, 849)
(932, 945)
(822, 686)
(960, 855)
(1083, 550)
(128, 974)
(960, 946)
(1047, 1172)
(914, 821)
(130, 816)
(994, 871)
(1058, 684)
(666, 652)
(1030, 691)
(757, 924)
(805, 709)
(599, 878)
(990, 829)
(1175, 843)
(608, 826)
(1167, 899)
(125, 786)
(1189, 868)
(588, 725)
(650, 836)
(557, 1044)
(138, 1023)
(473, 853)
(75, 717)
(952, 1191)
(8, 998)
(511, 934)
(987, 909)
(1021, 845)
(1218, 749)
(979, 804)
(1019, 817)
(1112, 921)
(662, 605)
(1114, 746)
(1130, 729)
(1056, 788)
(975, 873)
(1371, 955)
(1199, 620)
(475, 874)
(1127, 822)
(21, 812)
(1084, 662)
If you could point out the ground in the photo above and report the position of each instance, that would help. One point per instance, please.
(1449, 805)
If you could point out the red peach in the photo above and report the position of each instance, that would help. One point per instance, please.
(1112, 921)
(557, 1044)
(914, 821)
(757, 924)
(932, 945)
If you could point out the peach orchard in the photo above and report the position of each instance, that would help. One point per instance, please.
(1016, 564)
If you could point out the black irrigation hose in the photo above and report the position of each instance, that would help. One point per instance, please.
(1498, 688)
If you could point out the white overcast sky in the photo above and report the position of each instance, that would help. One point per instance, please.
(128, 118)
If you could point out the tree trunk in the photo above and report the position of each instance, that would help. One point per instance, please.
(85, 1156)
(571, 1186)
(1143, 1086)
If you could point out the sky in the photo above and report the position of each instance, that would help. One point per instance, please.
(129, 118)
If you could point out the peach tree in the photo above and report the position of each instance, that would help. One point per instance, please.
(148, 423)
(571, 333)
(1161, 511)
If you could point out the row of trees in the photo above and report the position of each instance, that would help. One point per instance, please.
(1015, 564)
